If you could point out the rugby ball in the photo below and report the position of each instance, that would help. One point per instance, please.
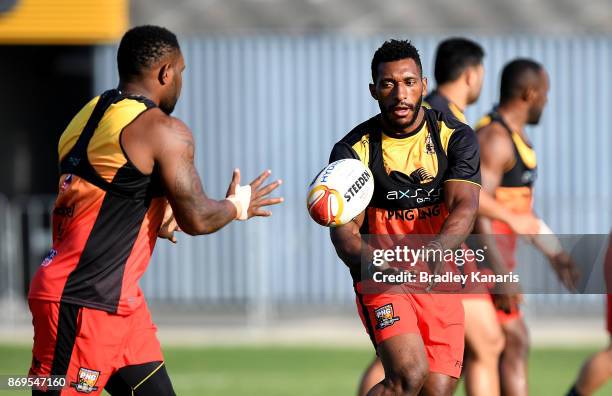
(341, 191)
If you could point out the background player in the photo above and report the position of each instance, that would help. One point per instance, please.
(121, 156)
(459, 76)
(508, 172)
(422, 347)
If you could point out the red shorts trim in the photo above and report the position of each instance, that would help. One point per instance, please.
(89, 345)
(438, 318)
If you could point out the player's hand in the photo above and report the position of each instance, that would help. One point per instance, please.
(259, 195)
(524, 224)
(506, 297)
(507, 302)
(566, 269)
(169, 225)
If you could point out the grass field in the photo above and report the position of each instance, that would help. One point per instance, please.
(283, 371)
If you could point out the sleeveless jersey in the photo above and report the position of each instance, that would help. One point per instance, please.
(516, 188)
(106, 215)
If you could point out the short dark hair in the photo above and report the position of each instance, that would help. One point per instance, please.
(453, 56)
(517, 76)
(394, 50)
(142, 47)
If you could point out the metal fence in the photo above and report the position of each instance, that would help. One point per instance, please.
(281, 103)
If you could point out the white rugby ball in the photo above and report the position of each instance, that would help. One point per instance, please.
(341, 191)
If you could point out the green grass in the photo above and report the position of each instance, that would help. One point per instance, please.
(276, 371)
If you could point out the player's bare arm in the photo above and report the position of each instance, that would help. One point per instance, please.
(347, 241)
(497, 155)
(172, 149)
(461, 199)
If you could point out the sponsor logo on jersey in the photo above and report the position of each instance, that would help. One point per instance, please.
(49, 258)
(414, 214)
(419, 194)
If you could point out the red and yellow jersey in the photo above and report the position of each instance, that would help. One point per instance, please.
(410, 171)
(106, 215)
(515, 191)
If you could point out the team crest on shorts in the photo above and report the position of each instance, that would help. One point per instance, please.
(384, 316)
(86, 380)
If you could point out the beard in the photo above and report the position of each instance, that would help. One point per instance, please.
(167, 105)
(534, 116)
(399, 125)
(473, 97)
(168, 102)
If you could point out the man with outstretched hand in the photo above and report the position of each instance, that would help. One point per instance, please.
(123, 158)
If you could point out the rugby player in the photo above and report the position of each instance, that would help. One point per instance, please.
(419, 336)
(459, 74)
(122, 159)
(508, 172)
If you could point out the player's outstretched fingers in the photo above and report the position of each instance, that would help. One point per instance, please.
(269, 188)
(262, 213)
(260, 179)
(256, 207)
(269, 202)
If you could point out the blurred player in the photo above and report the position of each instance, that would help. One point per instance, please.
(419, 337)
(597, 370)
(508, 172)
(459, 74)
(121, 157)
